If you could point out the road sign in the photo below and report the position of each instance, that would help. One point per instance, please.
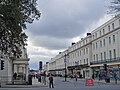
(89, 81)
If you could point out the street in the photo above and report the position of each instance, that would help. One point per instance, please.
(71, 84)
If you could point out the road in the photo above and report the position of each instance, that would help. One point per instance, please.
(71, 84)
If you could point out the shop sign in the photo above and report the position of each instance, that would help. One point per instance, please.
(89, 81)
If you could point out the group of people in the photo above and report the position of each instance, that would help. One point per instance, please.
(100, 76)
(42, 79)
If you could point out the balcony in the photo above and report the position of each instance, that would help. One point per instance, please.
(78, 66)
(112, 60)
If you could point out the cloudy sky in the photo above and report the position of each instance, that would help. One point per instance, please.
(61, 23)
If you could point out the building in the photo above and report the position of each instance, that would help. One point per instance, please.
(13, 65)
(80, 57)
(97, 53)
(106, 48)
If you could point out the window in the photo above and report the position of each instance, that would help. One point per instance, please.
(104, 55)
(96, 45)
(109, 40)
(119, 23)
(101, 56)
(103, 31)
(114, 53)
(80, 52)
(80, 62)
(113, 38)
(97, 57)
(93, 36)
(96, 35)
(93, 46)
(84, 61)
(87, 61)
(86, 41)
(100, 33)
(110, 53)
(94, 57)
(104, 42)
(113, 26)
(108, 28)
(86, 50)
(100, 43)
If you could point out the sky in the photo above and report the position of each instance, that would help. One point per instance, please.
(62, 22)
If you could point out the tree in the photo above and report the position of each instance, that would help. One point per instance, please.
(14, 15)
(114, 8)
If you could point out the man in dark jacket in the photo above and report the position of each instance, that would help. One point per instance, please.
(51, 81)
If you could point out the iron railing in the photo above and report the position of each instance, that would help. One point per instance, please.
(106, 61)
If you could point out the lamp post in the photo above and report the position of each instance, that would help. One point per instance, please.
(65, 68)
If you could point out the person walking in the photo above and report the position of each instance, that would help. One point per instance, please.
(51, 81)
(76, 76)
(15, 76)
(115, 76)
(39, 78)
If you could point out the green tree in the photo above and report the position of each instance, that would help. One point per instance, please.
(14, 15)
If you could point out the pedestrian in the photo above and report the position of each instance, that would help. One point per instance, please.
(99, 76)
(44, 78)
(15, 76)
(39, 78)
(92, 76)
(51, 81)
(115, 76)
(76, 76)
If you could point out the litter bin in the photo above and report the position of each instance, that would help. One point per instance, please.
(30, 79)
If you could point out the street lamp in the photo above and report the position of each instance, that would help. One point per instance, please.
(65, 68)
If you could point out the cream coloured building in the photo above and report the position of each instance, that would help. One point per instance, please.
(106, 47)
(77, 59)
(89, 55)
(57, 64)
(80, 57)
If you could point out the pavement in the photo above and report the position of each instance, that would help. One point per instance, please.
(112, 82)
(35, 83)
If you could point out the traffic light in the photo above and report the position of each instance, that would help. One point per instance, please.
(105, 67)
(2, 64)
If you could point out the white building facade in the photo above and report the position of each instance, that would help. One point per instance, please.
(106, 48)
(89, 55)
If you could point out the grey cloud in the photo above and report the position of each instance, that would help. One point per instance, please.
(61, 20)
(50, 42)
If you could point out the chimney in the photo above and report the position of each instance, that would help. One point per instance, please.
(73, 43)
(88, 34)
(82, 38)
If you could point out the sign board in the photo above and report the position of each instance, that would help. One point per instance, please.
(89, 81)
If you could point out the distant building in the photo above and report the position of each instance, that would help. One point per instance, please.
(40, 65)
